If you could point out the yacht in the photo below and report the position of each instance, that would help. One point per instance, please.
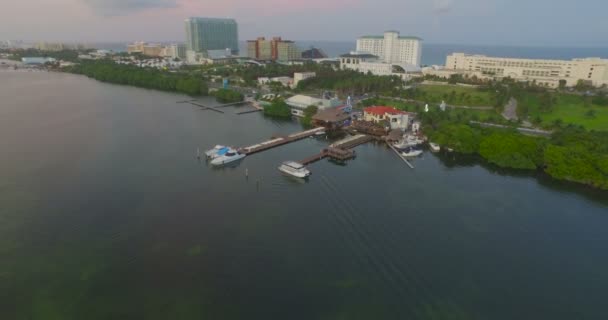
(434, 147)
(228, 157)
(216, 151)
(294, 169)
(411, 152)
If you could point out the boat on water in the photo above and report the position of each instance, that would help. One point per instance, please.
(408, 141)
(228, 157)
(434, 147)
(411, 152)
(295, 169)
(217, 151)
(320, 133)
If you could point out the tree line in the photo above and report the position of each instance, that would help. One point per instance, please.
(149, 78)
(571, 153)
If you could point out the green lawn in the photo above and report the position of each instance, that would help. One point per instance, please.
(477, 115)
(570, 109)
(456, 95)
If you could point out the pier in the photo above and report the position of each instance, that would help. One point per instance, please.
(331, 152)
(273, 143)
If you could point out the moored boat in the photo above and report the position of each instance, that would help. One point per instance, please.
(228, 157)
(411, 152)
(216, 151)
(295, 169)
(434, 147)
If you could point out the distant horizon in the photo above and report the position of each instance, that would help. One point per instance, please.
(319, 41)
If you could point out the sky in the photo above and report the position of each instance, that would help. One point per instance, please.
(484, 22)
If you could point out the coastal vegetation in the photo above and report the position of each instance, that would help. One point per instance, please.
(108, 71)
(571, 153)
(228, 96)
(65, 55)
(309, 112)
(278, 109)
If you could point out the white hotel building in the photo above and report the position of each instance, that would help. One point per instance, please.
(392, 48)
(544, 72)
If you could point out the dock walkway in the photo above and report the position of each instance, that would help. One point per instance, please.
(280, 141)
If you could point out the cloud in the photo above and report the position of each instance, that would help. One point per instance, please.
(124, 7)
(443, 6)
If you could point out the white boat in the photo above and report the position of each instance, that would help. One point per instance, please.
(228, 157)
(411, 152)
(409, 141)
(320, 133)
(217, 150)
(294, 169)
(434, 147)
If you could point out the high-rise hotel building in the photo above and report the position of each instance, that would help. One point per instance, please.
(274, 49)
(204, 34)
(392, 48)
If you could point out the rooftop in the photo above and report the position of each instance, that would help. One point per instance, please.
(359, 55)
(382, 37)
(382, 110)
(331, 115)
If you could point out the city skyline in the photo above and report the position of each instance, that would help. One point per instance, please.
(438, 21)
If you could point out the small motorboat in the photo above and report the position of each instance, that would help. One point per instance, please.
(228, 157)
(320, 133)
(295, 169)
(216, 151)
(411, 152)
(434, 147)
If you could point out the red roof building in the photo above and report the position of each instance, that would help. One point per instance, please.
(396, 118)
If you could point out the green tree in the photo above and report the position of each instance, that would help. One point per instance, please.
(309, 112)
(278, 109)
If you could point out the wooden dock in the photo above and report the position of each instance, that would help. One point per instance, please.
(352, 142)
(249, 111)
(273, 143)
(331, 152)
(203, 107)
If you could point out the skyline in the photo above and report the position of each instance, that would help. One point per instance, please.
(438, 21)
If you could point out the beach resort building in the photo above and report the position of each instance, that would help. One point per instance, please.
(369, 63)
(393, 48)
(204, 34)
(544, 72)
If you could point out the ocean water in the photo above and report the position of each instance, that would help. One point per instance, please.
(105, 213)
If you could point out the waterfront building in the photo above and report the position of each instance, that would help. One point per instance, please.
(300, 102)
(393, 48)
(543, 71)
(203, 34)
(299, 76)
(397, 119)
(274, 49)
(368, 63)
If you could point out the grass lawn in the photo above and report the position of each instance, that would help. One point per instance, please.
(477, 115)
(456, 95)
(570, 109)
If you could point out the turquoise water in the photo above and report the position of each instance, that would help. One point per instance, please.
(105, 213)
